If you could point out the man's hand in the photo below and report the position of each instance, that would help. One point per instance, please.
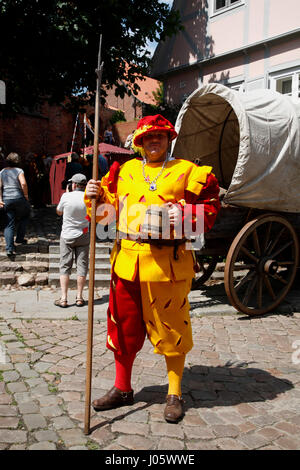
(175, 214)
(93, 189)
(2, 204)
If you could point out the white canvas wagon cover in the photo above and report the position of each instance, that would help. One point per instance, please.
(250, 139)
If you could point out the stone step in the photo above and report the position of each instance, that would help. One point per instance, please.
(101, 280)
(23, 279)
(30, 248)
(26, 266)
(100, 268)
(40, 257)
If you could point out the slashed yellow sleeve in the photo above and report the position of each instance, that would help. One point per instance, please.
(198, 178)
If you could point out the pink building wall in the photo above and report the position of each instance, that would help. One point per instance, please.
(256, 21)
(285, 53)
(245, 44)
(228, 32)
(284, 16)
(181, 86)
(223, 71)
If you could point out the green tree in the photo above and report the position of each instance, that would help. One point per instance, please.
(118, 116)
(50, 48)
(168, 110)
(158, 94)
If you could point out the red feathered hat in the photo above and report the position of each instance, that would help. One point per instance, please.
(152, 123)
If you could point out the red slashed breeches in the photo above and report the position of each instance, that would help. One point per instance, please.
(125, 326)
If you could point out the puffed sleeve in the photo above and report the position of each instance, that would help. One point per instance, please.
(108, 193)
(201, 198)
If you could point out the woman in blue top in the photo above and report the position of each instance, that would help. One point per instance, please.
(14, 201)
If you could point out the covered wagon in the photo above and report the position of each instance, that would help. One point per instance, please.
(252, 142)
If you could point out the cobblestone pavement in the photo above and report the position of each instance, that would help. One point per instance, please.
(241, 382)
(241, 386)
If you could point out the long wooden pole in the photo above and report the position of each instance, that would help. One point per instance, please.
(89, 351)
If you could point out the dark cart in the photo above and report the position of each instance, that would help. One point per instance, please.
(252, 142)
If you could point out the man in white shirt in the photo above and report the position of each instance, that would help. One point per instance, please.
(74, 238)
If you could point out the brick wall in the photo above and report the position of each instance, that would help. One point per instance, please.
(130, 107)
(49, 132)
(123, 129)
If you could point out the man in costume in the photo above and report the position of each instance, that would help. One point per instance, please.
(151, 277)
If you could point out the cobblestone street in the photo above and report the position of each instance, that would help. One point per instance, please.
(241, 388)
(241, 382)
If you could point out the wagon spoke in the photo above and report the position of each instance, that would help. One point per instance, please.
(259, 291)
(249, 291)
(279, 278)
(256, 242)
(274, 255)
(267, 237)
(276, 240)
(243, 281)
(269, 287)
(269, 248)
(250, 255)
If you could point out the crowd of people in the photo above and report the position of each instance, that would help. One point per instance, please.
(79, 164)
(25, 183)
(36, 170)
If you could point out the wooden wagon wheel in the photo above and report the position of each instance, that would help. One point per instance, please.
(265, 253)
(207, 266)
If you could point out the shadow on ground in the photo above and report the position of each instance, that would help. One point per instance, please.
(206, 387)
(104, 299)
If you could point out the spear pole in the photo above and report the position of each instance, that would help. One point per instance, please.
(89, 351)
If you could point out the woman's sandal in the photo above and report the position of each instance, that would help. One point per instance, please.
(79, 302)
(61, 303)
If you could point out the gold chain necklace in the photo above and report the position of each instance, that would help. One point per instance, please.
(152, 184)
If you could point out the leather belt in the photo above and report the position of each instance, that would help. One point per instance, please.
(152, 241)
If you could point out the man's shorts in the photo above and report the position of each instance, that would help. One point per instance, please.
(78, 249)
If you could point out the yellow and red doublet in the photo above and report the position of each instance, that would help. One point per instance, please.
(164, 282)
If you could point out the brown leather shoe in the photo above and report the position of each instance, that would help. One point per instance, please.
(113, 399)
(174, 409)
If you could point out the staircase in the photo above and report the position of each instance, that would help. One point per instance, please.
(27, 268)
(37, 263)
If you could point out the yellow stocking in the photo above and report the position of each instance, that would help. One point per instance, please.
(175, 366)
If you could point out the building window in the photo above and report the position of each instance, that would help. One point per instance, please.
(240, 87)
(220, 5)
(286, 83)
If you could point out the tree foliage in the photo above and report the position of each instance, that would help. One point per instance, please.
(118, 116)
(168, 110)
(49, 48)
